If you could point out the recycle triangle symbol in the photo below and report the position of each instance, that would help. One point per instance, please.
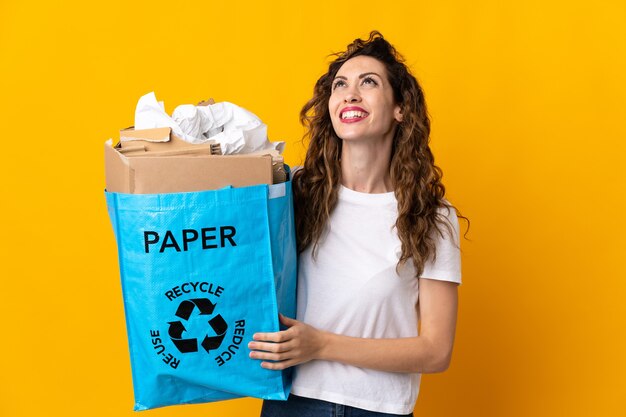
(177, 328)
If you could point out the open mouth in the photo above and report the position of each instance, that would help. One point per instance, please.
(353, 115)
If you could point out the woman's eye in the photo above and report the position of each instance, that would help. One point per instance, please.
(339, 83)
(370, 81)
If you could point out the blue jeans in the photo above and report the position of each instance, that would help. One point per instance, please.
(296, 406)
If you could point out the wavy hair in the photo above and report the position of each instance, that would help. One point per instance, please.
(415, 177)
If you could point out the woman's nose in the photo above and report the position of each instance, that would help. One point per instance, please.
(352, 98)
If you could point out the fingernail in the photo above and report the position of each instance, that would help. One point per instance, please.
(251, 345)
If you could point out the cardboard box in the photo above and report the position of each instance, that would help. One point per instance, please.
(167, 164)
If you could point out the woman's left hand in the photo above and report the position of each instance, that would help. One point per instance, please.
(298, 344)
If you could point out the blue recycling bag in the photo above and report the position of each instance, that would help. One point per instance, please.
(201, 273)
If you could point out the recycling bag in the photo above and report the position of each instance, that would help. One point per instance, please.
(201, 273)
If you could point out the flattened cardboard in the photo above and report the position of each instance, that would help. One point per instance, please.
(159, 134)
(158, 140)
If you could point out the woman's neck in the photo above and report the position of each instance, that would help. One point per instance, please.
(365, 166)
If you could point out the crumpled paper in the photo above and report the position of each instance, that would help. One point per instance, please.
(236, 129)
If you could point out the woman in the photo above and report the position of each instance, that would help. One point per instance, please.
(374, 231)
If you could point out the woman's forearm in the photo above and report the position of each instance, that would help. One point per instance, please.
(411, 354)
(301, 343)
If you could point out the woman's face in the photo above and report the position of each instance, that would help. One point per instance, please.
(361, 104)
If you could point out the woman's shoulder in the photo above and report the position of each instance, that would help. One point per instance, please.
(447, 213)
(447, 209)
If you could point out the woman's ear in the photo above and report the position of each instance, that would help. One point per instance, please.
(397, 114)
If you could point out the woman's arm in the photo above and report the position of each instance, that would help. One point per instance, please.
(429, 352)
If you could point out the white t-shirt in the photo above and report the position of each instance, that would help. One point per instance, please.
(352, 289)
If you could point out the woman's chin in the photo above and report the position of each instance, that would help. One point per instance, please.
(352, 134)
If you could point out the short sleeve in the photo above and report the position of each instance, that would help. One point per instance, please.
(447, 265)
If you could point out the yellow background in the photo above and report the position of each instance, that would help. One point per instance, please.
(528, 107)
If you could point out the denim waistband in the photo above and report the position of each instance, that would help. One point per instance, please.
(297, 406)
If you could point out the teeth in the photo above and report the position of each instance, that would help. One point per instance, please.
(353, 114)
